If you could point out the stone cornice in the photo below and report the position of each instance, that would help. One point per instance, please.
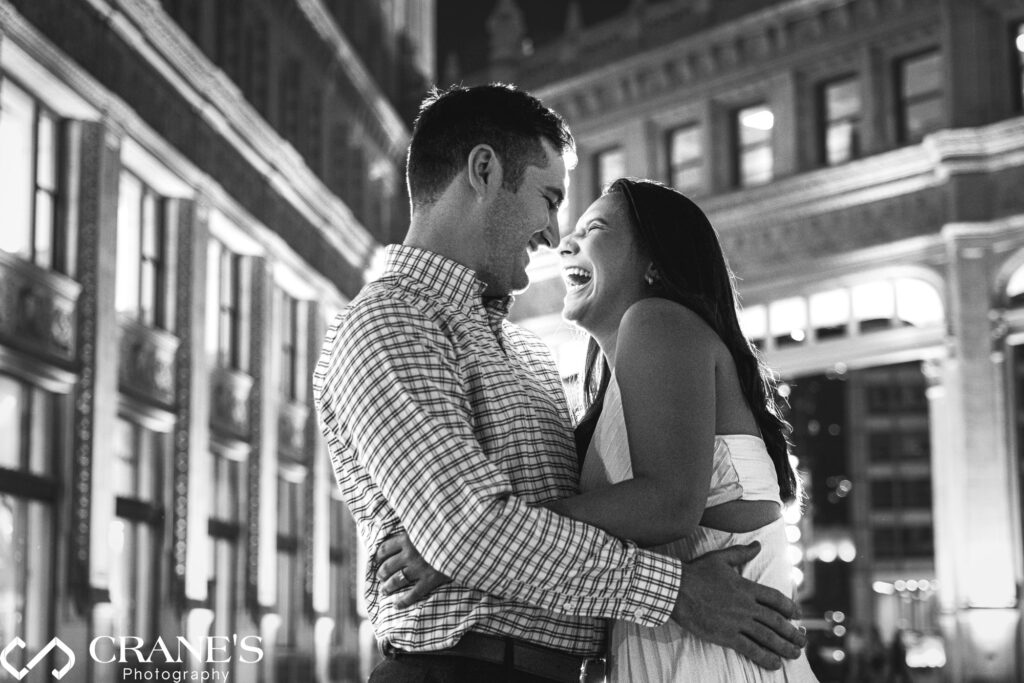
(882, 176)
(699, 57)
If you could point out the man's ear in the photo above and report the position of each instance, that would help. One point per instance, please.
(485, 171)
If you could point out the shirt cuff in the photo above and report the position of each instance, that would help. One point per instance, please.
(654, 589)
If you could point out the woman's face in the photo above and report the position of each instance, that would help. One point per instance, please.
(602, 266)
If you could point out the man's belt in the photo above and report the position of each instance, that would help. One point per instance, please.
(518, 655)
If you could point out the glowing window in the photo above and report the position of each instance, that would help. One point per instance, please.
(917, 303)
(874, 305)
(787, 320)
(754, 322)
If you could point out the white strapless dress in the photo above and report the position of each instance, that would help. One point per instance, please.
(742, 470)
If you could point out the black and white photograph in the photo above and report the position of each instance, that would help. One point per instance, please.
(512, 341)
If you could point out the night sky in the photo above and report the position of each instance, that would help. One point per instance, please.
(461, 25)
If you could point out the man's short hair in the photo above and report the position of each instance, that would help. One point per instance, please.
(452, 122)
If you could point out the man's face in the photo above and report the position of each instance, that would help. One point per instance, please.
(520, 222)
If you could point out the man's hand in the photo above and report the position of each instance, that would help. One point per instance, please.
(401, 569)
(716, 604)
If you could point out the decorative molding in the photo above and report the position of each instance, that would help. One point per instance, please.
(291, 431)
(147, 363)
(230, 409)
(697, 52)
(38, 310)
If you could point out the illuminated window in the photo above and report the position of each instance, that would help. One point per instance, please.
(609, 165)
(225, 528)
(787, 321)
(754, 162)
(30, 421)
(1018, 45)
(754, 323)
(840, 113)
(29, 147)
(134, 535)
(293, 348)
(346, 622)
(920, 96)
(686, 159)
(141, 248)
(228, 278)
(290, 578)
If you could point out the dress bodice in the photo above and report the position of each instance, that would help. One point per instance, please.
(741, 467)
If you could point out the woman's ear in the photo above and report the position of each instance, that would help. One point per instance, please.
(652, 277)
(484, 171)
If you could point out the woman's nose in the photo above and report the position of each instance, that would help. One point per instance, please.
(568, 245)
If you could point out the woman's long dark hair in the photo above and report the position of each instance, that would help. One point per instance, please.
(676, 235)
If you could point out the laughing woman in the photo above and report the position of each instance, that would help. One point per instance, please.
(684, 448)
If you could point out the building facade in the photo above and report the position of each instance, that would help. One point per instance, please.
(190, 191)
(863, 162)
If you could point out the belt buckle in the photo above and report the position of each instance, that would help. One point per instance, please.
(593, 670)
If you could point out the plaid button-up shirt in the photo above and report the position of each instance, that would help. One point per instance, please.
(447, 420)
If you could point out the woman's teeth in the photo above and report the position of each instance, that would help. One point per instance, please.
(576, 277)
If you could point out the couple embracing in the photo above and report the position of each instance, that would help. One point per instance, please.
(499, 554)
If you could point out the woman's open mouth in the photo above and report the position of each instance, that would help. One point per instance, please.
(576, 278)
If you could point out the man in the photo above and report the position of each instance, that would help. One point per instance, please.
(446, 420)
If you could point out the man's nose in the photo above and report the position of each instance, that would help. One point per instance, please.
(549, 236)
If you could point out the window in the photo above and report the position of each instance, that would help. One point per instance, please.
(293, 349)
(686, 159)
(225, 528)
(135, 534)
(342, 587)
(840, 106)
(30, 420)
(29, 147)
(920, 96)
(609, 165)
(1018, 44)
(289, 571)
(228, 279)
(894, 543)
(754, 162)
(141, 248)
(896, 494)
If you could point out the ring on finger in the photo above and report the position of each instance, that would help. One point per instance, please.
(405, 579)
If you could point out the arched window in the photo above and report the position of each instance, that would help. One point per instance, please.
(852, 310)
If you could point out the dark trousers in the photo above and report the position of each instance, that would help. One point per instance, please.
(440, 669)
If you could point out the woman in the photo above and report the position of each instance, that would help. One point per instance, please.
(685, 450)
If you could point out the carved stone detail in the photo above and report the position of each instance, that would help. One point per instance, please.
(147, 361)
(291, 429)
(38, 310)
(794, 240)
(229, 408)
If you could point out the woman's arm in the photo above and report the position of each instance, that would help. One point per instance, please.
(665, 368)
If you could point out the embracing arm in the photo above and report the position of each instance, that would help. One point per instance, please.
(391, 388)
(665, 369)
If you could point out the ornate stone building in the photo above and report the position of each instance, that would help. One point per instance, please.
(190, 190)
(863, 161)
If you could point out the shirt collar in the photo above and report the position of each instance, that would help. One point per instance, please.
(447, 278)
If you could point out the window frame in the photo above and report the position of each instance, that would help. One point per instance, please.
(903, 102)
(56, 233)
(696, 162)
(826, 122)
(739, 150)
(152, 312)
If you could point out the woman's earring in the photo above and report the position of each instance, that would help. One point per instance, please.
(652, 277)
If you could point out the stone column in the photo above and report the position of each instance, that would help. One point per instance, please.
(95, 411)
(976, 548)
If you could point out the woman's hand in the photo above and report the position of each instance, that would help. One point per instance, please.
(401, 569)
